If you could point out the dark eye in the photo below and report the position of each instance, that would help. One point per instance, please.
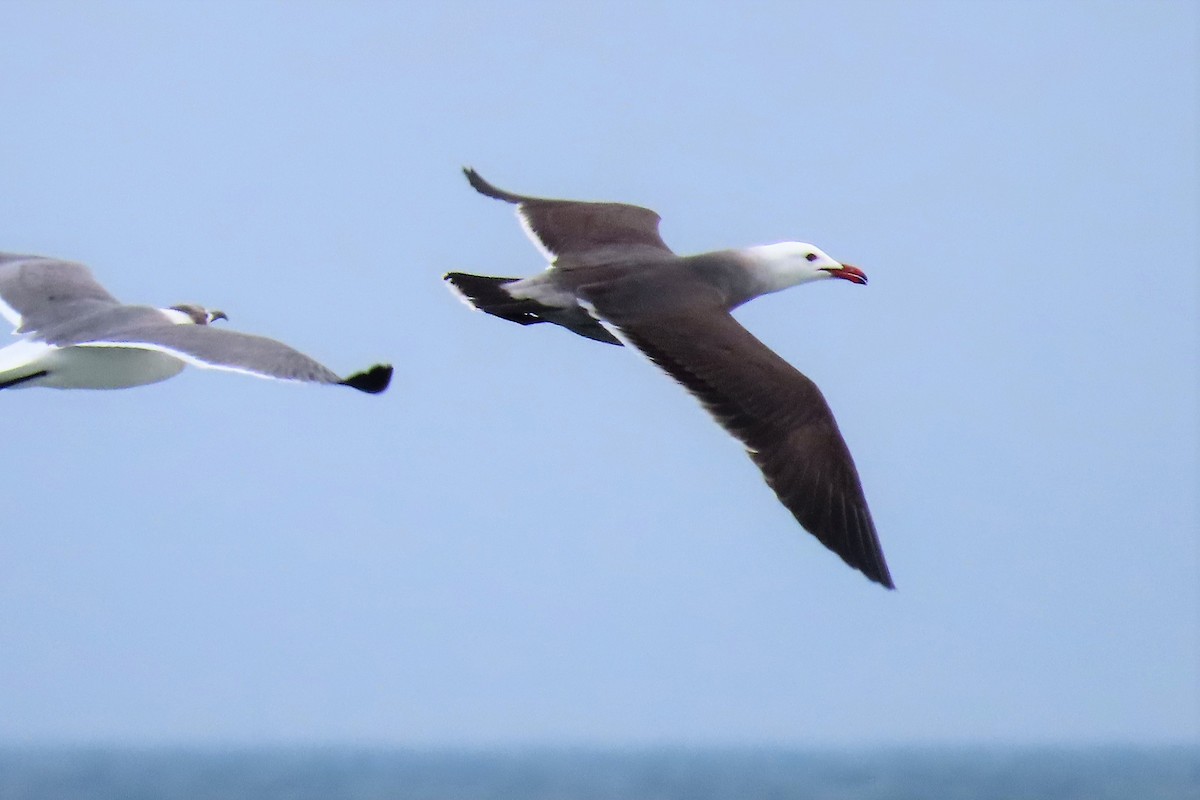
(811, 256)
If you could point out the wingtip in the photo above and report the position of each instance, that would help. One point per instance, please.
(371, 381)
(881, 575)
(483, 187)
(476, 180)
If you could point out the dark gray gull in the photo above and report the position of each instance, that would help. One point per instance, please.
(75, 335)
(613, 279)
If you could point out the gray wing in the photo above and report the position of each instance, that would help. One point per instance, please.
(567, 228)
(38, 293)
(776, 412)
(216, 348)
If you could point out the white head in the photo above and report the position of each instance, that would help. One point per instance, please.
(778, 266)
(192, 314)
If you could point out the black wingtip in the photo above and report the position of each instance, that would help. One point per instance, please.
(371, 381)
(878, 571)
(483, 187)
(871, 565)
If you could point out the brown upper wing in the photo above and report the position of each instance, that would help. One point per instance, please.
(778, 414)
(574, 228)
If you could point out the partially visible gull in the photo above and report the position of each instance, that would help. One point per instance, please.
(75, 335)
(613, 279)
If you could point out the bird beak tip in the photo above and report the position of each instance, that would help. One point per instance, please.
(852, 274)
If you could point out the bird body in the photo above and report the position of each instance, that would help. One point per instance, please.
(75, 335)
(612, 278)
(84, 367)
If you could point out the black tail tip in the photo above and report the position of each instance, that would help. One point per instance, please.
(371, 381)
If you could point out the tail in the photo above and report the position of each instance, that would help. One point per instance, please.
(489, 296)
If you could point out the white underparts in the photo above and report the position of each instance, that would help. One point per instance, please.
(86, 367)
(17, 358)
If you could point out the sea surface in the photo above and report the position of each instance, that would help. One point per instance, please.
(1108, 773)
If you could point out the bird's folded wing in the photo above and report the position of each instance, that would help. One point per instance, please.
(216, 348)
(777, 413)
(37, 293)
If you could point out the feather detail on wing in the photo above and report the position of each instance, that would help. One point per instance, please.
(777, 413)
(37, 293)
(215, 348)
(572, 228)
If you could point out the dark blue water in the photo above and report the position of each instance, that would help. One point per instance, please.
(544, 774)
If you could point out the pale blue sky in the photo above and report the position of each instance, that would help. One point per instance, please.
(536, 538)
